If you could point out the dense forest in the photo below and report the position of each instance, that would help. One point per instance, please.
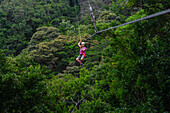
(125, 69)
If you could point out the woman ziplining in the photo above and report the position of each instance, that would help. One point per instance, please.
(82, 54)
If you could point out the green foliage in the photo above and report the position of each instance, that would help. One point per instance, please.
(125, 69)
(132, 75)
(150, 5)
(137, 58)
(43, 34)
(120, 7)
(50, 48)
(22, 88)
(20, 19)
(107, 17)
(2, 62)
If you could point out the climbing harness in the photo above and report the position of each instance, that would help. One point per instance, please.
(144, 18)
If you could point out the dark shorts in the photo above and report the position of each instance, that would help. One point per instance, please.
(80, 56)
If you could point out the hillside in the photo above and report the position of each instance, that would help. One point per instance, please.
(125, 69)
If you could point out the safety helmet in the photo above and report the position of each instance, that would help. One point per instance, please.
(83, 43)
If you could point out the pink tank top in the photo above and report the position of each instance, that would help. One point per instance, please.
(83, 52)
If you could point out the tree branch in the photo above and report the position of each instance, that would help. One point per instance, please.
(77, 103)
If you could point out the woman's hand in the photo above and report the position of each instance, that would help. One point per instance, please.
(79, 44)
(83, 49)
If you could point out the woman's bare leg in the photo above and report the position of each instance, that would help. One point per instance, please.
(78, 61)
(82, 60)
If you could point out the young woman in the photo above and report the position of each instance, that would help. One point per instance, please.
(82, 54)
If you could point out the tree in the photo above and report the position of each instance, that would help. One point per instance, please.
(21, 19)
(51, 48)
(3, 29)
(22, 88)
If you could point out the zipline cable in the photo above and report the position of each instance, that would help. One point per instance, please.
(144, 18)
(92, 16)
(77, 18)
